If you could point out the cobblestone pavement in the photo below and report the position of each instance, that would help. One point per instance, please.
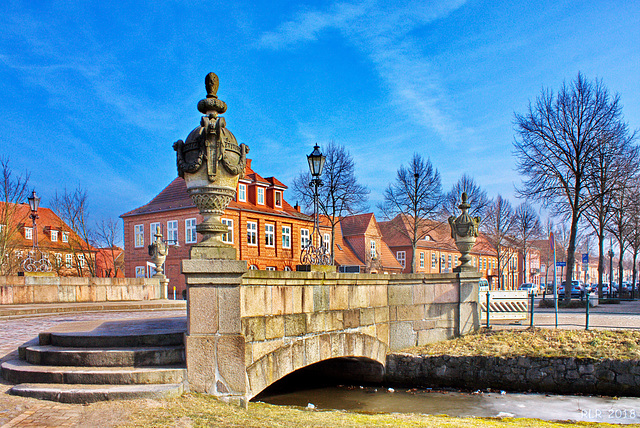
(26, 412)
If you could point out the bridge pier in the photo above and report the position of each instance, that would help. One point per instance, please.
(215, 345)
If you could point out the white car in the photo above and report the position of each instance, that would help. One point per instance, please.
(529, 287)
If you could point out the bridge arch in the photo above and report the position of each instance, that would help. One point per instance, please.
(307, 350)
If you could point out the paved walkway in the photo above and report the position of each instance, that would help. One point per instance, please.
(625, 315)
(27, 412)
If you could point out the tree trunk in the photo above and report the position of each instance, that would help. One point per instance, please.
(571, 256)
(600, 261)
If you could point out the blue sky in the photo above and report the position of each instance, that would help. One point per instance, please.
(95, 93)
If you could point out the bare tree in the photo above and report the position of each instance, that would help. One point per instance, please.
(526, 227)
(612, 165)
(555, 145)
(415, 195)
(633, 215)
(72, 208)
(498, 227)
(477, 198)
(340, 194)
(108, 235)
(14, 191)
(618, 226)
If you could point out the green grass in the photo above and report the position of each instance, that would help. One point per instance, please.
(612, 344)
(196, 410)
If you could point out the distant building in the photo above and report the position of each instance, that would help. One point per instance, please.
(436, 251)
(68, 254)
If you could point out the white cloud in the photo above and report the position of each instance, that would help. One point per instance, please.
(382, 33)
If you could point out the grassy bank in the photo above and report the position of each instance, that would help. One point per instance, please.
(195, 410)
(622, 345)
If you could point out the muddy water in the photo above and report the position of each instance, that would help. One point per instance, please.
(481, 404)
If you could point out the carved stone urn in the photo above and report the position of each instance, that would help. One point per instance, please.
(464, 231)
(211, 161)
(158, 251)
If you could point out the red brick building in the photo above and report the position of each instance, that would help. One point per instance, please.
(68, 254)
(264, 228)
(436, 252)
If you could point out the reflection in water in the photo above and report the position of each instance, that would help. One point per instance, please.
(481, 404)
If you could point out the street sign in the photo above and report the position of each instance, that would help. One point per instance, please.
(585, 258)
(561, 264)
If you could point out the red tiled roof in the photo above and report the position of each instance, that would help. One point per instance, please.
(355, 224)
(275, 182)
(175, 196)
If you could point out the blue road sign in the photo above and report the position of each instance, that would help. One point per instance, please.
(560, 264)
(585, 259)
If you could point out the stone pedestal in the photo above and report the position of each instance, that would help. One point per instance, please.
(215, 345)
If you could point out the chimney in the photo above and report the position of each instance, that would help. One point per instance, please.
(248, 163)
(297, 207)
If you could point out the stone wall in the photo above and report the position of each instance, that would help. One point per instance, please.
(19, 290)
(557, 375)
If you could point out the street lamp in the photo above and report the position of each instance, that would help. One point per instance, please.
(611, 254)
(315, 255)
(31, 263)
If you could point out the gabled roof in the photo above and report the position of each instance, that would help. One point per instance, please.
(356, 224)
(175, 196)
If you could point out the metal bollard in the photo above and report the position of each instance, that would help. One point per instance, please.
(586, 327)
(488, 309)
(532, 306)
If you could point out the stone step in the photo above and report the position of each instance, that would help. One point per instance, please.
(81, 394)
(88, 340)
(19, 371)
(104, 357)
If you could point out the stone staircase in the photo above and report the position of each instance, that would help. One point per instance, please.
(117, 360)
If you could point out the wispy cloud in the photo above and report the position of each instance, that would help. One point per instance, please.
(382, 33)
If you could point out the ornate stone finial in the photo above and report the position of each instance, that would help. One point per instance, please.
(464, 231)
(211, 83)
(210, 160)
(211, 105)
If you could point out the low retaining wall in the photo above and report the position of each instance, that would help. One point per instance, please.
(557, 375)
(19, 290)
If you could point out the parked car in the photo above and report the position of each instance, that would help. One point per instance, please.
(529, 287)
(577, 289)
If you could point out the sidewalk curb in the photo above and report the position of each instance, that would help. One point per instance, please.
(21, 311)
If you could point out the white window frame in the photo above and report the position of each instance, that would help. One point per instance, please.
(81, 260)
(153, 229)
(305, 238)
(58, 260)
(138, 236)
(287, 269)
(28, 233)
(286, 237)
(269, 234)
(422, 259)
(372, 249)
(228, 237)
(401, 256)
(326, 241)
(277, 198)
(260, 196)
(271, 268)
(54, 235)
(434, 261)
(190, 234)
(140, 271)
(172, 232)
(242, 192)
(449, 263)
(253, 267)
(252, 233)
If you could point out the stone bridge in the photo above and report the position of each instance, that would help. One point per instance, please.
(248, 329)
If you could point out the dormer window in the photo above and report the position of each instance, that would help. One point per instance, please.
(65, 236)
(242, 192)
(260, 195)
(54, 235)
(278, 199)
(28, 233)
(372, 247)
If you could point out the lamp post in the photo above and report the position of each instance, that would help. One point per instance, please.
(31, 263)
(315, 255)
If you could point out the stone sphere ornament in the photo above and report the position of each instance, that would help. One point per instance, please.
(464, 231)
(211, 161)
